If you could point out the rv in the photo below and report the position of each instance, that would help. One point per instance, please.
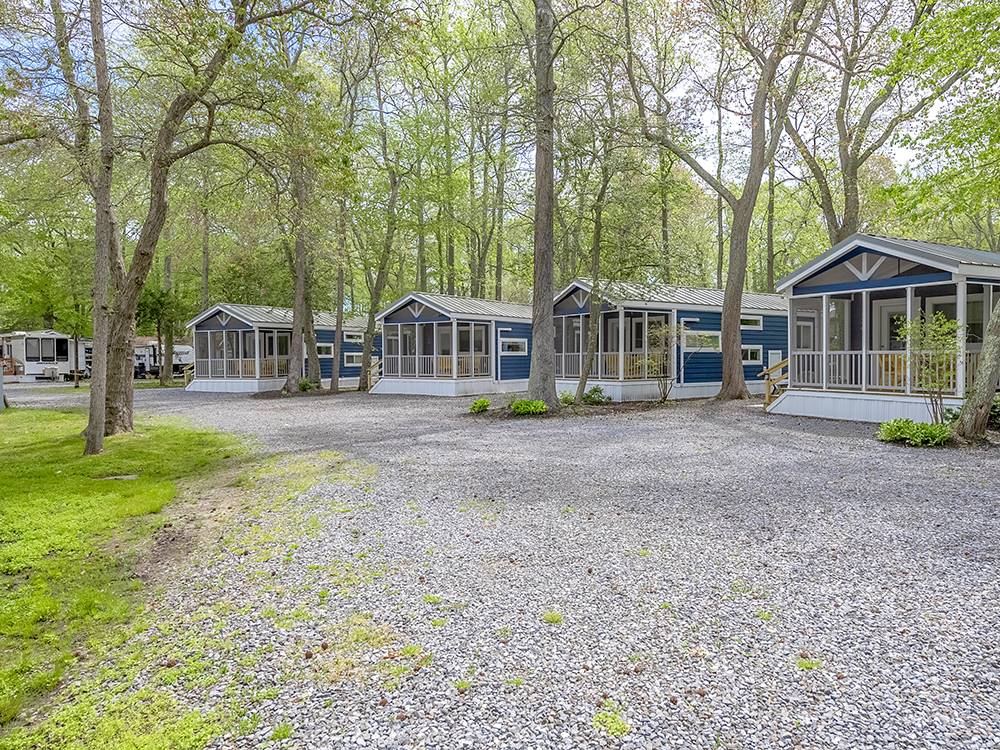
(43, 355)
(149, 357)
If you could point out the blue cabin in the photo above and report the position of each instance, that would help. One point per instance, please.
(656, 338)
(849, 356)
(246, 348)
(443, 345)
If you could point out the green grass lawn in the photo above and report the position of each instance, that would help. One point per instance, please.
(67, 523)
(85, 385)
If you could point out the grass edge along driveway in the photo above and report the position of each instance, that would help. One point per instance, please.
(65, 519)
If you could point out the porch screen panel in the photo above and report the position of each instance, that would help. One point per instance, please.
(426, 336)
(659, 346)
(217, 350)
(481, 349)
(201, 354)
(249, 362)
(465, 354)
(444, 350)
(559, 323)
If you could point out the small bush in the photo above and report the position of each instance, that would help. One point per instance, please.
(916, 434)
(524, 407)
(566, 398)
(595, 397)
(306, 385)
(552, 618)
(610, 720)
(479, 405)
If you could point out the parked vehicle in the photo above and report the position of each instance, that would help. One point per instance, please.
(43, 355)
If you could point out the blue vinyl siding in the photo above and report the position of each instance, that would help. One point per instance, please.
(326, 336)
(513, 367)
(706, 367)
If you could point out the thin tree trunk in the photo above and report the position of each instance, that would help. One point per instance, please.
(594, 319)
(770, 226)
(665, 165)
(103, 229)
(299, 272)
(733, 382)
(542, 381)
(339, 301)
(314, 370)
(421, 233)
(975, 414)
(167, 363)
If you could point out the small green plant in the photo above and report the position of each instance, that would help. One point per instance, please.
(765, 615)
(281, 732)
(306, 385)
(916, 434)
(439, 622)
(514, 682)
(462, 685)
(504, 634)
(552, 617)
(566, 398)
(595, 397)
(804, 662)
(432, 599)
(609, 719)
(479, 405)
(523, 407)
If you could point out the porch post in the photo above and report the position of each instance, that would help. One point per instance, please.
(645, 344)
(434, 330)
(600, 344)
(454, 348)
(399, 350)
(208, 337)
(909, 353)
(826, 339)
(961, 310)
(494, 348)
(582, 345)
(791, 333)
(256, 352)
(621, 342)
(416, 333)
(864, 339)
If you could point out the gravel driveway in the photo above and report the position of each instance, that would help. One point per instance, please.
(695, 576)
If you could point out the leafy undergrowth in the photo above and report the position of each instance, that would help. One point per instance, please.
(68, 525)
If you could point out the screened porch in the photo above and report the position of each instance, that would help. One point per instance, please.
(856, 340)
(452, 349)
(631, 345)
(257, 353)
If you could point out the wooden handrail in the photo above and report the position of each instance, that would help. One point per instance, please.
(779, 366)
(188, 373)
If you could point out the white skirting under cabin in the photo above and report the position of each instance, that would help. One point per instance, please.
(253, 385)
(448, 386)
(856, 407)
(649, 390)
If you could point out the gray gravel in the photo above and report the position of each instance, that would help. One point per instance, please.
(726, 578)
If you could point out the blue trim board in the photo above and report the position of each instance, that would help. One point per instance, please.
(852, 286)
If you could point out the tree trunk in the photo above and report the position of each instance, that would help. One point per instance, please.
(733, 382)
(594, 319)
(314, 371)
(421, 233)
(542, 381)
(167, 363)
(205, 246)
(770, 226)
(975, 414)
(339, 301)
(103, 229)
(665, 175)
(299, 272)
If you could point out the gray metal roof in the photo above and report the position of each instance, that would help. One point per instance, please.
(469, 307)
(266, 315)
(952, 257)
(624, 292)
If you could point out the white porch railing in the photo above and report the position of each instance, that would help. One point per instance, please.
(425, 366)
(806, 368)
(887, 370)
(843, 369)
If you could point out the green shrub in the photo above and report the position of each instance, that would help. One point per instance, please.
(917, 434)
(306, 385)
(566, 398)
(525, 407)
(479, 405)
(595, 396)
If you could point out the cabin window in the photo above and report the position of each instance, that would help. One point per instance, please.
(752, 323)
(48, 350)
(753, 355)
(974, 311)
(352, 359)
(32, 350)
(62, 350)
(391, 341)
(703, 341)
(353, 337)
(514, 346)
(324, 350)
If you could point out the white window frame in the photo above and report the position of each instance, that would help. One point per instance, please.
(756, 325)
(353, 337)
(324, 350)
(42, 347)
(691, 332)
(752, 347)
(38, 348)
(358, 358)
(806, 318)
(521, 341)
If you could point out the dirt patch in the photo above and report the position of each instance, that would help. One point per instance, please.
(317, 392)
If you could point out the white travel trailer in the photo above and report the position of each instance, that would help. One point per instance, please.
(43, 355)
(149, 356)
